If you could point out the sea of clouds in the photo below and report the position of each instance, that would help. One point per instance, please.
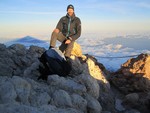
(111, 52)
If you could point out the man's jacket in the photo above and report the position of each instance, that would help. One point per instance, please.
(70, 26)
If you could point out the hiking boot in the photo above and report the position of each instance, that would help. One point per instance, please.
(67, 58)
(51, 47)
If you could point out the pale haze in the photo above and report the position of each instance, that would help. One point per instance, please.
(100, 18)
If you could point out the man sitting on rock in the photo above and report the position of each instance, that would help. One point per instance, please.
(67, 31)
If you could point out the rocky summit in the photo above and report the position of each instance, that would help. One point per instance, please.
(89, 88)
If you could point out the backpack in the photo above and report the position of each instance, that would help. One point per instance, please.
(53, 62)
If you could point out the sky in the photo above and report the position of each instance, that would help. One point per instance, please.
(101, 18)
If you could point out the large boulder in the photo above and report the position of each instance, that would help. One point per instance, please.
(93, 105)
(8, 93)
(66, 84)
(139, 66)
(87, 70)
(17, 108)
(77, 93)
(79, 102)
(134, 75)
(90, 83)
(61, 98)
(76, 51)
(22, 88)
(133, 97)
(133, 80)
(17, 60)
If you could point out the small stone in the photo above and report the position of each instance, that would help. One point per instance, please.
(118, 105)
(133, 97)
(61, 98)
(93, 105)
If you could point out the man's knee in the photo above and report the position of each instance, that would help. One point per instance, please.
(56, 31)
(55, 34)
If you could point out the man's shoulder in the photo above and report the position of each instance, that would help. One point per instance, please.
(77, 18)
(63, 18)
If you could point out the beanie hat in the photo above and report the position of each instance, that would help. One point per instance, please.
(70, 7)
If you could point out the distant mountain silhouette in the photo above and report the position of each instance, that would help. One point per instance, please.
(142, 43)
(28, 41)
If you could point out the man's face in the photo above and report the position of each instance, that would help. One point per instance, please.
(70, 12)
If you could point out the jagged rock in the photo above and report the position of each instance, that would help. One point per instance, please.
(137, 66)
(106, 100)
(17, 108)
(48, 108)
(93, 105)
(6, 63)
(18, 49)
(20, 91)
(29, 70)
(17, 60)
(133, 80)
(67, 110)
(77, 67)
(61, 98)
(118, 105)
(79, 102)
(90, 83)
(22, 88)
(36, 51)
(66, 84)
(85, 90)
(134, 75)
(133, 97)
(39, 99)
(90, 67)
(7, 93)
(97, 73)
(106, 112)
(5, 69)
(132, 111)
(76, 51)
(94, 69)
(2, 47)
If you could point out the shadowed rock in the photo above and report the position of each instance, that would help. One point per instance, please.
(85, 90)
(21, 91)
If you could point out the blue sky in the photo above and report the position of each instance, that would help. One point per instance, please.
(38, 18)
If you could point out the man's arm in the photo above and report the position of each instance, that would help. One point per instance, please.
(78, 32)
(59, 25)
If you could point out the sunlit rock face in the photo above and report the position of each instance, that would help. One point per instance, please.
(138, 66)
(134, 75)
